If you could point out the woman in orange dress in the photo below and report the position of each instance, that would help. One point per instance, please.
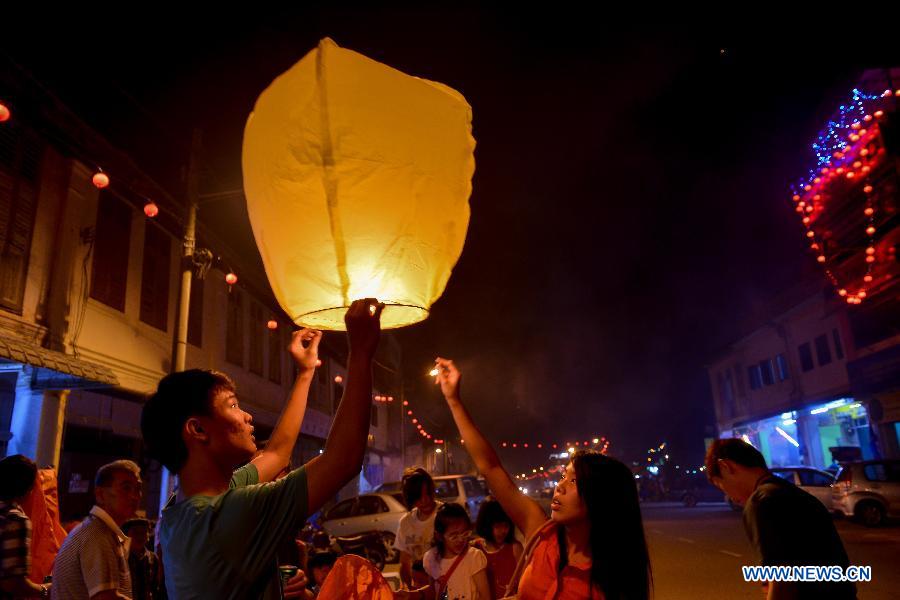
(593, 545)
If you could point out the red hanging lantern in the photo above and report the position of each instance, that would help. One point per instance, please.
(406, 403)
(318, 362)
(151, 209)
(869, 211)
(870, 230)
(100, 180)
(868, 279)
(4, 113)
(338, 379)
(821, 258)
(272, 324)
(231, 278)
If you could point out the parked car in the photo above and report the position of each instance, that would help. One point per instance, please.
(815, 482)
(466, 490)
(868, 490)
(365, 513)
(691, 489)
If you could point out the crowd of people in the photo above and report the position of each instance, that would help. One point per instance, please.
(238, 509)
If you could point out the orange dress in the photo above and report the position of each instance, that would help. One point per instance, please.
(540, 580)
(501, 566)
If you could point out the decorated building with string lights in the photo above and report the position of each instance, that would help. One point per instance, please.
(89, 303)
(817, 380)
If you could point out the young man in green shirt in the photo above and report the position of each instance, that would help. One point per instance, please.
(220, 534)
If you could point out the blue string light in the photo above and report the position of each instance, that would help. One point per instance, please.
(833, 137)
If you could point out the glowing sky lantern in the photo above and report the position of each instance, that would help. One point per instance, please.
(357, 179)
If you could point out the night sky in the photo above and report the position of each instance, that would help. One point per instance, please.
(630, 210)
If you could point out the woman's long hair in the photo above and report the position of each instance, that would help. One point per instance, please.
(620, 563)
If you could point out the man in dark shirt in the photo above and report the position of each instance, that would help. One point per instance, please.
(786, 525)
(146, 578)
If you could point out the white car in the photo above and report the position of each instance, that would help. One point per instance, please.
(368, 512)
(466, 490)
(815, 482)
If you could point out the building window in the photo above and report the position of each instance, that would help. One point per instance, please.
(111, 241)
(768, 376)
(256, 340)
(20, 167)
(275, 356)
(823, 352)
(838, 346)
(806, 361)
(755, 376)
(234, 328)
(155, 278)
(782, 367)
(195, 313)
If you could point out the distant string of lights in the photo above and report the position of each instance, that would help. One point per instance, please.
(847, 150)
(598, 443)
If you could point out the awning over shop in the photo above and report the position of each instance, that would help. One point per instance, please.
(56, 370)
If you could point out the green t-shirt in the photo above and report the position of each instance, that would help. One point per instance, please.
(224, 546)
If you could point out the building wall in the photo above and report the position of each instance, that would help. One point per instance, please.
(783, 336)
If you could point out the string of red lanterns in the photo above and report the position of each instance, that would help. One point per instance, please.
(101, 180)
(848, 166)
(407, 409)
